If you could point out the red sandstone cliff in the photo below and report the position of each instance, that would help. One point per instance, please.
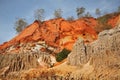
(100, 57)
(58, 33)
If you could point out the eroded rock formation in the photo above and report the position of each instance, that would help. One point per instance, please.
(106, 44)
(24, 61)
(103, 55)
(58, 33)
(32, 49)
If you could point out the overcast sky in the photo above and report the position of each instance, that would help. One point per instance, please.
(12, 9)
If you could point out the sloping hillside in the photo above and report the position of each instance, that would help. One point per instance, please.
(31, 55)
(58, 34)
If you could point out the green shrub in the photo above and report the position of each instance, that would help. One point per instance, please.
(104, 19)
(62, 55)
(103, 22)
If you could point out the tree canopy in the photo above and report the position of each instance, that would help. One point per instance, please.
(80, 11)
(20, 24)
(39, 14)
(58, 13)
(98, 12)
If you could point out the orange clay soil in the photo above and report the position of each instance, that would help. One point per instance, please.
(58, 33)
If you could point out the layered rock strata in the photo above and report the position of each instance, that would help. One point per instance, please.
(24, 61)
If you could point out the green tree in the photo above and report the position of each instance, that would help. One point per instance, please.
(87, 14)
(58, 13)
(103, 23)
(20, 24)
(80, 11)
(118, 9)
(39, 14)
(98, 12)
(70, 18)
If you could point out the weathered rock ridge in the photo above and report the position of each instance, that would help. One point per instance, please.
(58, 33)
(24, 61)
(30, 52)
(103, 55)
(96, 60)
(106, 44)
